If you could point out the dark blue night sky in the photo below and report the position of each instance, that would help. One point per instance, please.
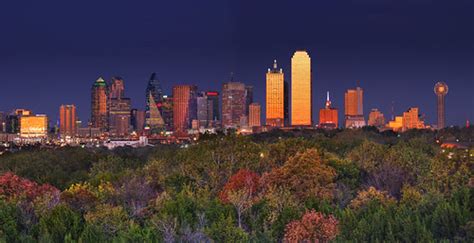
(52, 51)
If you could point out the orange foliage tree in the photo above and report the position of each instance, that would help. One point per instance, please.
(241, 191)
(313, 227)
(305, 175)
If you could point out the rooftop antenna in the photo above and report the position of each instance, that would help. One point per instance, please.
(393, 110)
(275, 66)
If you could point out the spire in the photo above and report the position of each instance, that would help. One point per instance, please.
(328, 102)
(275, 66)
(327, 98)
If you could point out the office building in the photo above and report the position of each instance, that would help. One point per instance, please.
(119, 109)
(376, 119)
(213, 96)
(254, 115)
(328, 117)
(441, 90)
(354, 108)
(410, 119)
(67, 121)
(167, 112)
(233, 104)
(276, 97)
(34, 126)
(137, 120)
(99, 106)
(154, 103)
(301, 88)
(184, 107)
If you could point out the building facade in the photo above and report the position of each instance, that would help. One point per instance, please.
(154, 104)
(99, 106)
(119, 109)
(301, 88)
(34, 126)
(276, 97)
(410, 119)
(354, 108)
(184, 107)
(67, 121)
(233, 104)
(254, 115)
(137, 120)
(376, 119)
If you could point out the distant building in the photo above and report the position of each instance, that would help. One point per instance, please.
(441, 90)
(167, 112)
(205, 110)
(119, 109)
(67, 121)
(301, 88)
(376, 118)
(254, 115)
(276, 97)
(184, 106)
(409, 120)
(99, 106)
(213, 99)
(354, 108)
(233, 104)
(248, 98)
(12, 124)
(34, 126)
(328, 117)
(2, 122)
(137, 120)
(154, 103)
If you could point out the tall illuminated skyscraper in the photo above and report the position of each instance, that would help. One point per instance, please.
(354, 107)
(301, 88)
(376, 119)
(441, 89)
(67, 121)
(99, 106)
(276, 97)
(184, 107)
(119, 109)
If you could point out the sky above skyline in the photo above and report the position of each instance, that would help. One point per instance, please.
(52, 51)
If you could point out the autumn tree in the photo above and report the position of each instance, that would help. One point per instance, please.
(312, 227)
(241, 191)
(305, 175)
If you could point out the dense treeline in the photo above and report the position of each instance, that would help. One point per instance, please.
(301, 186)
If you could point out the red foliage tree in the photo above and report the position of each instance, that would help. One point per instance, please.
(15, 187)
(241, 191)
(313, 227)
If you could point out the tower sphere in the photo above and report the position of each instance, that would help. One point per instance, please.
(441, 88)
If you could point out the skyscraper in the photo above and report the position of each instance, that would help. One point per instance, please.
(354, 109)
(248, 98)
(34, 126)
(328, 118)
(184, 107)
(99, 106)
(137, 120)
(167, 112)
(205, 110)
(154, 102)
(67, 121)
(276, 97)
(254, 115)
(213, 97)
(301, 88)
(233, 104)
(441, 89)
(119, 109)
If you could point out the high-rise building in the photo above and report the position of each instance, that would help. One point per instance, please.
(234, 101)
(2, 122)
(205, 110)
(12, 124)
(167, 111)
(441, 89)
(254, 115)
(184, 106)
(213, 98)
(34, 126)
(99, 106)
(328, 117)
(154, 103)
(354, 108)
(137, 120)
(248, 98)
(119, 109)
(67, 121)
(276, 97)
(301, 88)
(376, 118)
(117, 88)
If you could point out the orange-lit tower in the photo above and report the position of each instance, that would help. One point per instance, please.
(441, 89)
(184, 107)
(67, 121)
(301, 101)
(254, 115)
(328, 118)
(99, 108)
(276, 97)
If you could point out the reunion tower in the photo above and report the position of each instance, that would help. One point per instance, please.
(441, 89)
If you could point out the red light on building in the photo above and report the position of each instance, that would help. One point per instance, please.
(212, 93)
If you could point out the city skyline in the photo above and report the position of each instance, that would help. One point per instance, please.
(378, 44)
